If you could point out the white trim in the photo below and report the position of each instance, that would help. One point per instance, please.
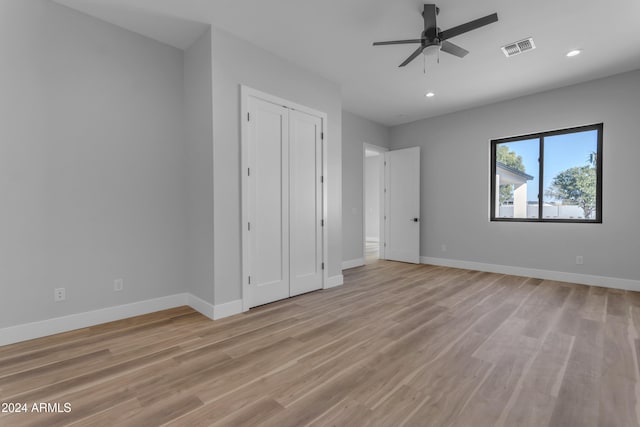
(561, 276)
(244, 191)
(352, 263)
(245, 93)
(334, 281)
(228, 309)
(325, 201)
(28, 331)
(201, 306)
(372, 239)
(380, 151)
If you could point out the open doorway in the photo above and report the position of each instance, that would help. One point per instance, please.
(373, 212)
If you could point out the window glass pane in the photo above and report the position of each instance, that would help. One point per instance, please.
(570, 178)
(517, 182)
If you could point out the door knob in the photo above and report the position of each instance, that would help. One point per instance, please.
(414, 220)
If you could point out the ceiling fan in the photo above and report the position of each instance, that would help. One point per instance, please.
(432, 36)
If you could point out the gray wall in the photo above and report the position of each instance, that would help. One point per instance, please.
(91, 163)
(355, 132)
(198, 117)
(237, 62)
(455, 181)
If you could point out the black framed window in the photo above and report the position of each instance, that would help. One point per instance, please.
(551, 176)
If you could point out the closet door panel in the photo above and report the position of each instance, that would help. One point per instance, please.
(305, 166)
(268, 202)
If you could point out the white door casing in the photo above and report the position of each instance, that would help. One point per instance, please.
(381, 232)
(402, 205)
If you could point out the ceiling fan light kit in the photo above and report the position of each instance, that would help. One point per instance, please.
(433, 36)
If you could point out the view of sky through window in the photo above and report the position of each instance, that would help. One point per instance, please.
(561, 152)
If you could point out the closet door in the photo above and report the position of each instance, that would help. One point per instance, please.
(268, 200)
(305, 229)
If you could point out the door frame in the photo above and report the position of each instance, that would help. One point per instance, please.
(245, 93)
(381, 208)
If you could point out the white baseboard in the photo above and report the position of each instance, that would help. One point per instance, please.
(202, 306)
(561, 276)
(334, 281)
(227, 309)
(352, 263)
(28, 331)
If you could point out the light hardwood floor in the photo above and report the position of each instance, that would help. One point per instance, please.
(397, 345)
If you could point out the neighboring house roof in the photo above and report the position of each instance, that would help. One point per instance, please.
(514, 175)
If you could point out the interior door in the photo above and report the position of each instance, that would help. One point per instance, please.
(305, 157)
(402, 205)
(268, 199)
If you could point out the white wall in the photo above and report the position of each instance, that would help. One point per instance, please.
(372, 173)
(237, 62)
(91, 163)
(198, 117)
(355, 132)
(455, 172)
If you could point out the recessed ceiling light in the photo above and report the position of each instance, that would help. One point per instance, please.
(574, 52)
(430, 94)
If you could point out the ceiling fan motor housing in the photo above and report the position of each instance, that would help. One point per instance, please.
(432, 36)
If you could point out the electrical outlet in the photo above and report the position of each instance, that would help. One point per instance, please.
(579, 260)
(443, 247)
(118, 285)
(59, 294)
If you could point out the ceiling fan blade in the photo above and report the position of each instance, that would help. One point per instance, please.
(430, 26)
(398, 42)
(469, 26)
(412, 57)
(453, 49)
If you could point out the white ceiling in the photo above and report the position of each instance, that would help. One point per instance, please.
(333, 38)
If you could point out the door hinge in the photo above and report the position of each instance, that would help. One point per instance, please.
(249, 279)
(385, 163)
(385, 190)
(322, 179)
(385, 244)
(323, 265)
(248, 116)
(248, 171)
(322, 223)
(322, 135)
(248, 226)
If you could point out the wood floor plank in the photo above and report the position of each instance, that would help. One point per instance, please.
(319, 401)
(578, 399)
(398, 344)
(348, 412)
(534, 400)
(253, 414)
(486, 405)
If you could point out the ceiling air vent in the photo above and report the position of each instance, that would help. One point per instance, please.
(517, 48)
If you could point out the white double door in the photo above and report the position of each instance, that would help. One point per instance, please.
(284, 212)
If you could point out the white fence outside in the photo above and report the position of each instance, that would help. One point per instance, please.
(548, 212)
